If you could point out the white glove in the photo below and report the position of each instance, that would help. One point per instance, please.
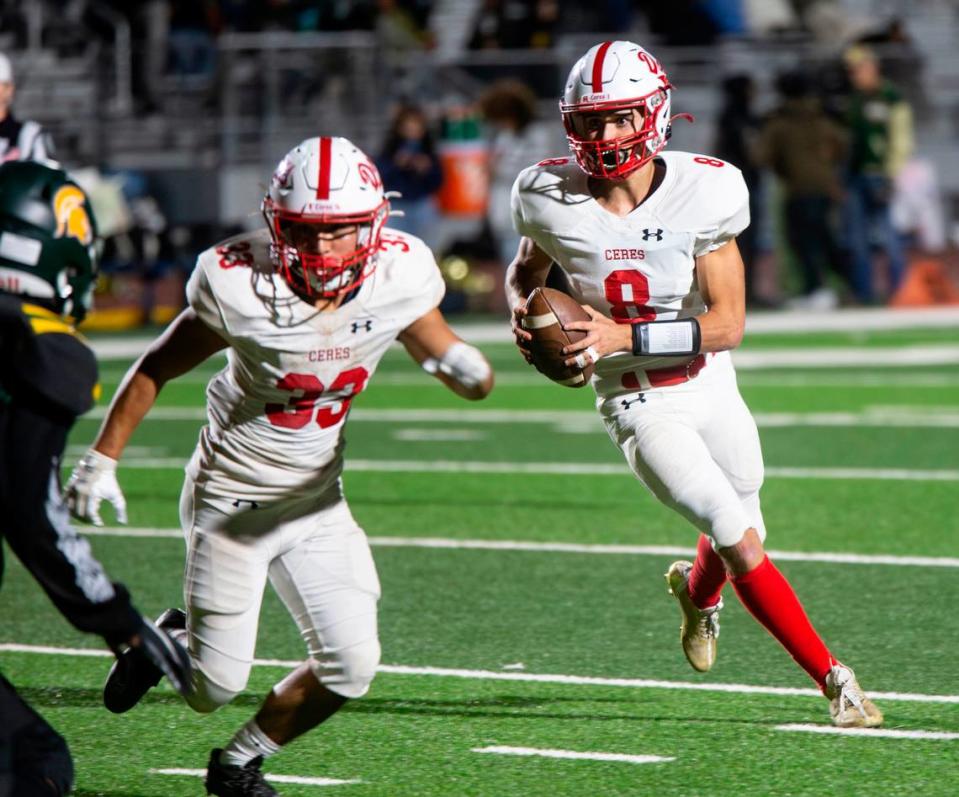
(93, 479)
(461, 362)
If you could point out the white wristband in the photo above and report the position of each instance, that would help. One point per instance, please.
(98, 462)
(461, 362)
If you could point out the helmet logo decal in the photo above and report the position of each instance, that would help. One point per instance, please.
(369, 174)
(72, 218)
(281, 177)
(323, 184)
(651, 62)
(598, 67)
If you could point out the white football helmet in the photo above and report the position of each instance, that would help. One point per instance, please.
(613, 76)
(330, 182)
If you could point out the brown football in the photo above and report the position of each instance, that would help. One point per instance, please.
(548, 311)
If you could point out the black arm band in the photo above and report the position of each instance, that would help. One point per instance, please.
(667, 338)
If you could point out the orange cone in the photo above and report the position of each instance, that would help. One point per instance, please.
(925, 283)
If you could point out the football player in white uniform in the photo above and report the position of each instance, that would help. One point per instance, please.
(306, 309)
(647, 242)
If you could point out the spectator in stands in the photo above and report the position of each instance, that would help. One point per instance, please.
(192, 51)
(736, 135)
(509, 109)
(881, 138)
(505, 24)
(901, 62)
(805, 149)
(19, 140)
(410, 165)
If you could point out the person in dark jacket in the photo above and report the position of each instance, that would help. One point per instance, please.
(805, 149)
(48, 377)
(410, 166)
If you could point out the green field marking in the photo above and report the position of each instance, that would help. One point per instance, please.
(594, 616)
(837, 557)
(415, 736)
(812, 515)
(581, 439)
(483, 609)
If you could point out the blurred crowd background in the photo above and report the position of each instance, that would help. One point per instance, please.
(842, 114)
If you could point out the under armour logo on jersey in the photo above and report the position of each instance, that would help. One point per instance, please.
(650, 234)
(627, 403)
(366, 326)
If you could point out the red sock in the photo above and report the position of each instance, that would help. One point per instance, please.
(765, 592)
(708, 576)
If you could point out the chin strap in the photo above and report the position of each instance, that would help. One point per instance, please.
(686, 117)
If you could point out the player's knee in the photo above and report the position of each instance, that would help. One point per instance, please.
(747, 479)
(350, 671)
(745, 555)
(208, 695)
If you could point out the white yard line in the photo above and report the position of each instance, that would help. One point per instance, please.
(587, 420)
(806, 381)
(782, 321)
(577, 469)
(418, 435)
(847, 357)
(868, 733)
(878, 357)
(578, 548)
(200, 773)
(524, 677)
(545, 753)
(877, 379)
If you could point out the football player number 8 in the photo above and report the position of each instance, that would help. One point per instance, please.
(299, 409)
(627, 292)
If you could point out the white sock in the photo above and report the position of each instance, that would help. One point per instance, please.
(248, 743)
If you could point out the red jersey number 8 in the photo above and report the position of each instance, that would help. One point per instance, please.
(627, 292)
(709, 161)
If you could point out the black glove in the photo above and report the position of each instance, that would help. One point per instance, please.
(167, 655)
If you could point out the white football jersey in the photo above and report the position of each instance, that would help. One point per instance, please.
(641, 266)
(277, 410)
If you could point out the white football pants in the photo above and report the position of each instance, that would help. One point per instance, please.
(319, 562)
(696, 448)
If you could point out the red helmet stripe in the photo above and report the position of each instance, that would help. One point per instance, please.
(323, 184)
(598, 67)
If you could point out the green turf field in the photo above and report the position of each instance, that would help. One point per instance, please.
(523, 603)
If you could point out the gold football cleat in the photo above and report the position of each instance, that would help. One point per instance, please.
(700, 628)
(848, 705)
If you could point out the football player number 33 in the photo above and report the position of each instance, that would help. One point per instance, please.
(300, 408)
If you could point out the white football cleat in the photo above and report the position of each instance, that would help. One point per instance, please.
(700, 628)
(848, 705)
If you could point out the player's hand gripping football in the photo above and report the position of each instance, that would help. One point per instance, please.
(523, 338)
(603, 336)
(93, 480)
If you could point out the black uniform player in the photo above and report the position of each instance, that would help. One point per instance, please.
(48, 377)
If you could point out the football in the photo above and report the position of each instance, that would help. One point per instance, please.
(548, 311)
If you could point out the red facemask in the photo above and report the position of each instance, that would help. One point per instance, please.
(325, 276)
(616, 158)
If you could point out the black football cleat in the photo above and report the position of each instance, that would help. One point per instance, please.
(133, 674)
(227, 781)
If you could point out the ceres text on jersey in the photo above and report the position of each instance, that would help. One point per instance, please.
(325, 355)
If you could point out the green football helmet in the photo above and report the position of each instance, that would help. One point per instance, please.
(48, 238)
